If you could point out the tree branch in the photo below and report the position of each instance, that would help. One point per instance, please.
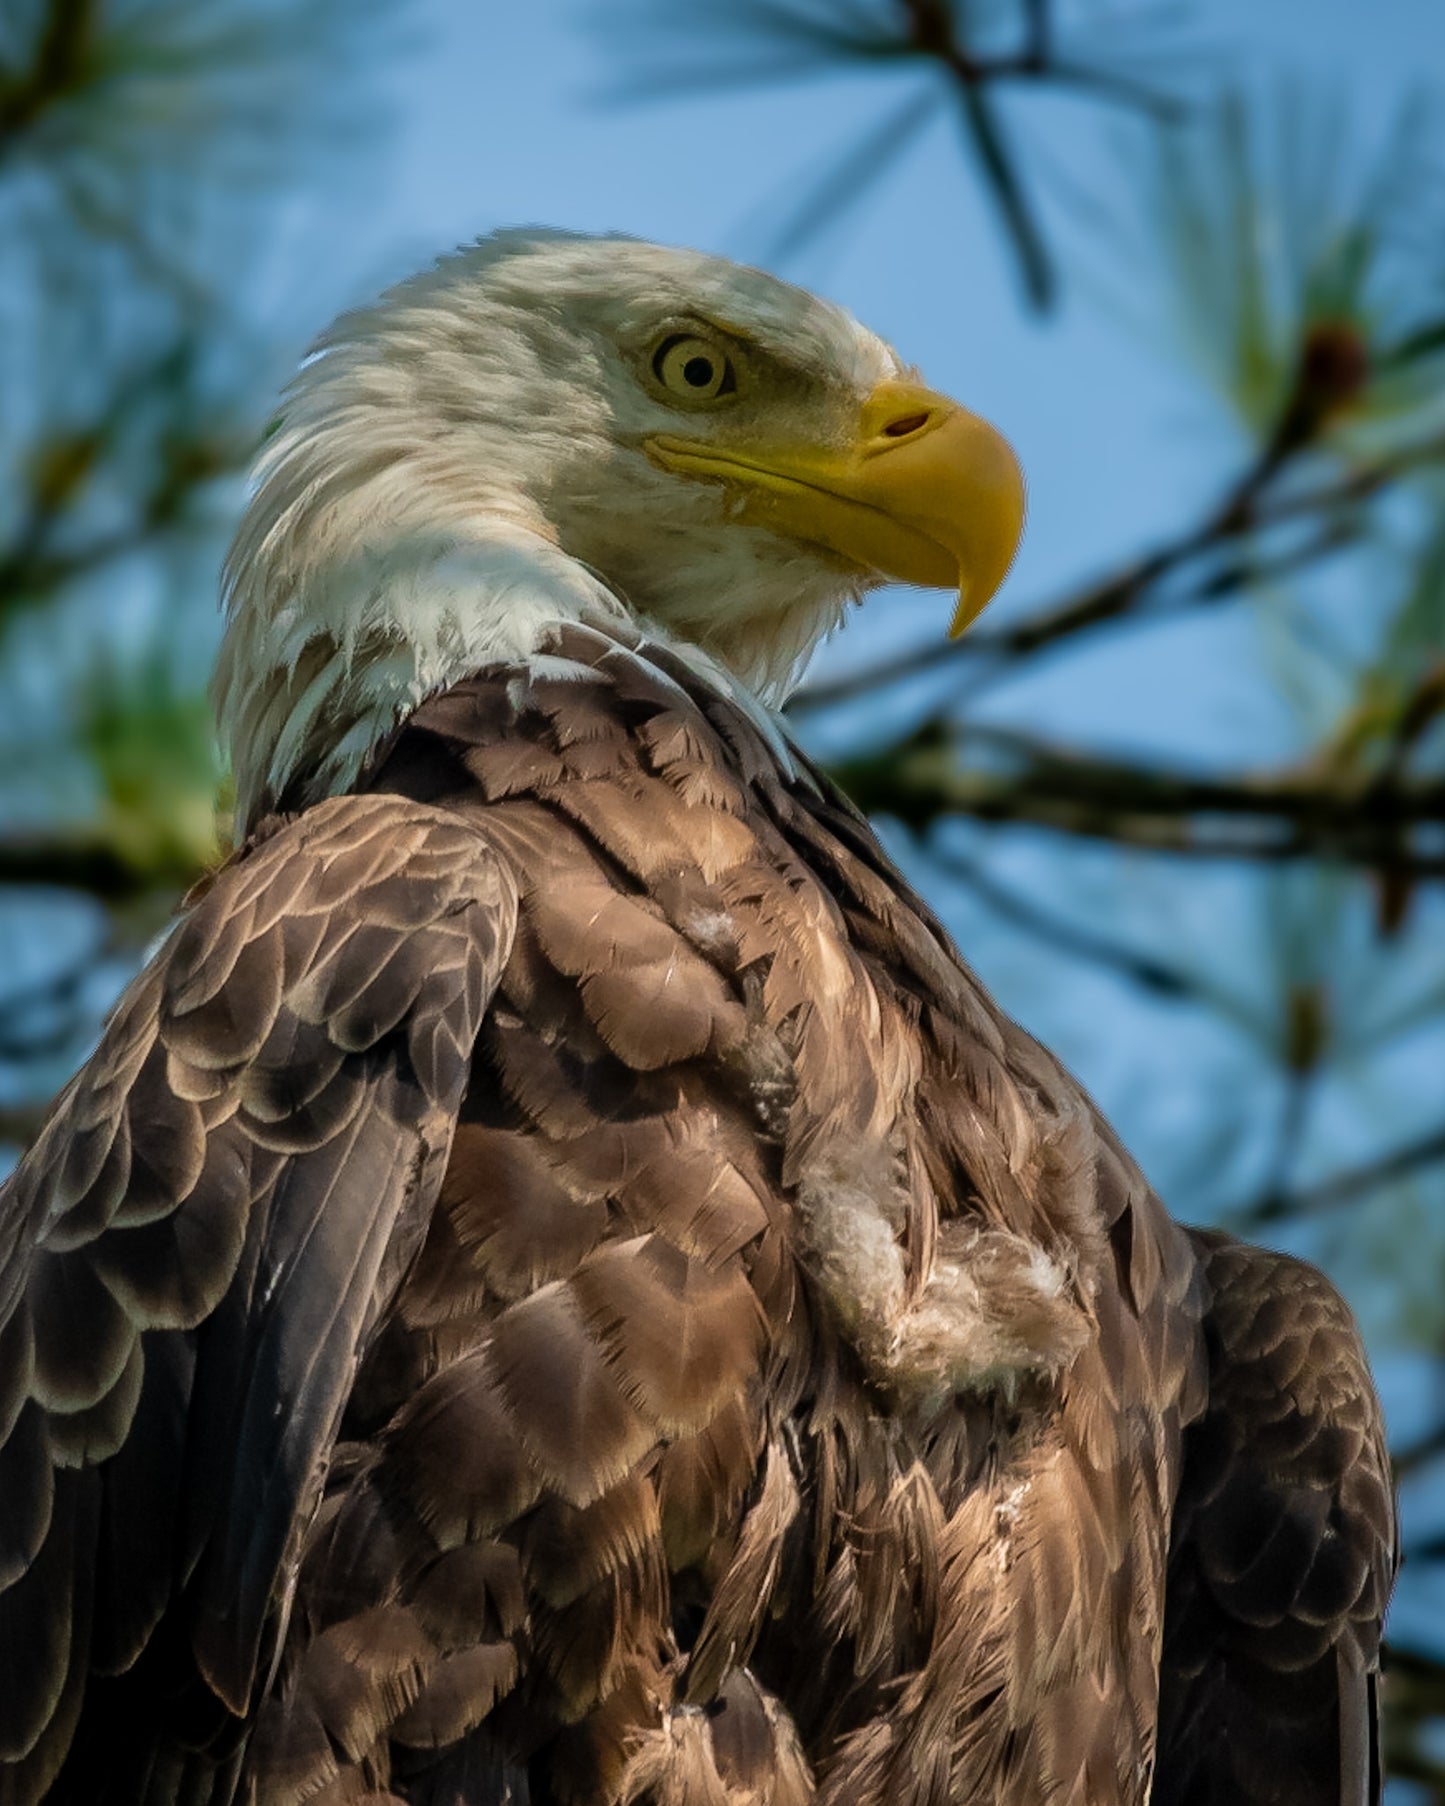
(1022, 912)
(1415, 1691)
(28, 573)
(933, 32)
(1118, 597)
(1275, 816)
(1420, 1453)
(92, 866)
(1348, 1186)
(21, 1123)
(32, 568)
(58, 70)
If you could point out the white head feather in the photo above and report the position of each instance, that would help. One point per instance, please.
(459, 468)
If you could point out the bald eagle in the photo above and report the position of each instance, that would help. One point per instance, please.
(557, 1284)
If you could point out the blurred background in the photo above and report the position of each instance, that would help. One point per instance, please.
(1181, 794)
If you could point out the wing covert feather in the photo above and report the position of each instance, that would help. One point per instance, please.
(201, 1240)
(1283, 1549)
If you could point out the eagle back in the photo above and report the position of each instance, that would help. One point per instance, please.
(783, 1295)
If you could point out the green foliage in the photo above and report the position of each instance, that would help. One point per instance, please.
(1303, 290)
(143, 144)
(146, 734)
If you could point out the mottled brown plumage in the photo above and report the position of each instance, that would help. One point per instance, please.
(436, 1367)
(558, 1286)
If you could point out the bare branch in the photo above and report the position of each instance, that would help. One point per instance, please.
(1349, 1186)
(46, 551)
(933, 33)
(1415, 1690)
(92, 866)
(1005, 185)
(728, 44)
(28, 574)
(1273, 816)
(1420, 1453)
(21, 1123)
(1425, 341)
(1127, 595)
(59, 69)
(1038, 29)
(1023, 912)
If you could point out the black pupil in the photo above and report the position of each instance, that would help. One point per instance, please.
(697, 372)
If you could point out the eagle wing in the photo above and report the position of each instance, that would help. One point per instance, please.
(1283, 1551)
(195, 1251)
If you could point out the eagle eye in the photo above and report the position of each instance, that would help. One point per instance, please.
(693, 369)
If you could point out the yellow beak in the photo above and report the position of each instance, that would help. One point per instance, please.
(926, 492)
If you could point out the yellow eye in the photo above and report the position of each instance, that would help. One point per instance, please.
(693, 369)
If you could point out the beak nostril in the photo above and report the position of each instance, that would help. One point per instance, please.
(905, 425)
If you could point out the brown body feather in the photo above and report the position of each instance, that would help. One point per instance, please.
(559, 1285)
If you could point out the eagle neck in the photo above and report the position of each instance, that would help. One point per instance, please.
(314, 674)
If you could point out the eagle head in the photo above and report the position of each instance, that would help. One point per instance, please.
(548, 427)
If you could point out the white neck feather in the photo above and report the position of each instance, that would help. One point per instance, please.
(311, 680)
(342, 617)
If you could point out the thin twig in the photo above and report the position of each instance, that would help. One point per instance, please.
(27, 575)
(31, 570)
(986, 131)
(1289, 1132)
(1104, 84)
(1115, 599)
(1425, 341)
(1038, 29)
(1349, 1186)
(1144, 969)
(1420, 1453)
